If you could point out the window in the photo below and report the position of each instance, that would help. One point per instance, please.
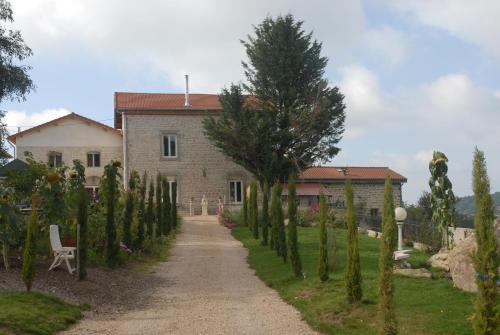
(55, 160)
(93, 159)
(170, 184)
(235, 191)
(374, 212)
(170, 146)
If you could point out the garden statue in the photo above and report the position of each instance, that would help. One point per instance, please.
(204, 206)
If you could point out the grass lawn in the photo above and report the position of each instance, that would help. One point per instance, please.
(35, 313)
(423, 306)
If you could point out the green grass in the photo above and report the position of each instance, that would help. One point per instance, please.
(35, 313)
(423, 306)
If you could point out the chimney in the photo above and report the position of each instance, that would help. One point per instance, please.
(186, 94)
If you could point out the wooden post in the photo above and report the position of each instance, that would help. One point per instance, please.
(78, 251)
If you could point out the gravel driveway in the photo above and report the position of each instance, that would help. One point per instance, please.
(209, 290)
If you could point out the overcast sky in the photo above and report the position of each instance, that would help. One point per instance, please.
(418, 75)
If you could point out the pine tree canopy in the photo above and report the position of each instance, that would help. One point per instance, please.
(288, 117)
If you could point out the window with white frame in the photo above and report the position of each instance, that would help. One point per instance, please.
(170, 146)
(55, 160)
(170, 188)
(235, 191)
(93, 159)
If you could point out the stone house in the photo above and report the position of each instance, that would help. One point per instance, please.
(163, 133)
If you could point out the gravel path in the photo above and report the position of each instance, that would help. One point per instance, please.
(209, 290)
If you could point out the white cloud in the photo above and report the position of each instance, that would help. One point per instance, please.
(387, 43)
(473, 21)
(15, 119)
(175, 37)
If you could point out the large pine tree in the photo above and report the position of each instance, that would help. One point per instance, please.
(254, 211)
(293, 243)
(276, 216)
(290, 117)
(386, 262)
(486, 320)
(353, 269)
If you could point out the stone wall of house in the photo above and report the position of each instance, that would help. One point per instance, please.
(71, 153)
(200, 169)
(366, 195)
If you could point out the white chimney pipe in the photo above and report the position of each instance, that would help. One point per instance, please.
(186, 94)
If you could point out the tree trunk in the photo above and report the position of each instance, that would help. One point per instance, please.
(5, 254)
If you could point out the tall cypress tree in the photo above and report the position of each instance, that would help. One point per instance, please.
(386, 263)
(275, 216)
(174, 205)
(353, 270)
(293, 243)
(29, 252)
(245, 207)
(142, 212)
(254, 210)
(159, 209)
(265, 214)
(323, 251)
(82, 220)
(110, 196)
(166, 207)
(150, 212)
(486, 320)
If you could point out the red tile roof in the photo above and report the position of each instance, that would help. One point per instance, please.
(303, 189)
(54, 122)
(354, 173)
(127, 101)
(164, 101)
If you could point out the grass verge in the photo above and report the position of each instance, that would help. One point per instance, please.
(35, 313)
(423, 306)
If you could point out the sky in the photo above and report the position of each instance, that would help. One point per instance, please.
(417, 75)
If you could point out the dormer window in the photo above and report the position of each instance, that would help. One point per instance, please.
(55, 160)
(93, 159)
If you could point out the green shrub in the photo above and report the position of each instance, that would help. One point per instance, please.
(166, 215)
(174, 218)
(264, 221)
(253, 211)
(159, 209)
(141, 222)
(150, 210)
(109, 190)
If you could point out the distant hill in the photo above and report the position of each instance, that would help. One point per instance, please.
(467, 206)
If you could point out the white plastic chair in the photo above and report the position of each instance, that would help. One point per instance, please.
(61, 254)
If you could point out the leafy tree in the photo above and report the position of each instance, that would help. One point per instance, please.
(15, 82)
(142, 215)
(291, 117)
(386, 263)
(128, 215)
(254, 211)
(265, 214)
(442, 198)
(24, 182)
(276, 216)
(174, 205)
(424, 202)
(159, 209)
(110, 192)
(150, 211)
(293, 243)
(9, 223)
(29, 252)
(323, 251)
(486, 318)
(167, 215)
(353, 271)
